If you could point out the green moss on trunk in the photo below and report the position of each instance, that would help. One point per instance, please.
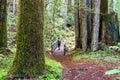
(3, 20)
(29, 58)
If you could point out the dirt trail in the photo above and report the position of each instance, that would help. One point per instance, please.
(84, 69)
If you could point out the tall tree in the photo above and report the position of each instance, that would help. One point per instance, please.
(103, 11)
(109, 23)
(14, 6)
(69, 5)
(96, 21)
(3, 20)
(77, 25)
(89, 22)
(83, 24)
(29, 59)
(65, 14)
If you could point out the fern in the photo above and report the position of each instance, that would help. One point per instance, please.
(114, 71)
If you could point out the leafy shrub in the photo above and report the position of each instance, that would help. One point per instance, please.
(100, 56)
(70, 20)
(5, 64)
(114, 71)
(54, 70)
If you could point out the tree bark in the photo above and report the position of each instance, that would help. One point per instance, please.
(89, 23)
(96, 21)
(83, 24)
(77, 25)
(104, 7)
(14, 6)
(69, 4)
(65, 14)
(29, 59)
(3, 21)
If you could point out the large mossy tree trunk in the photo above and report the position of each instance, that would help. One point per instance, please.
(3, 26)
(29, 59)
(95, 24)
(83, 24)
(77, 25)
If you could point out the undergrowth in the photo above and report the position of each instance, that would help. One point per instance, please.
(99, 56)
(5, 63)
(53, 69)
(114, 71)
(108, 55)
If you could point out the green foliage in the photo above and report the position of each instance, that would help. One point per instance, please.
(70, 19)
(12, 19)
(53, 70)
(114, 71)
(118, 44)
(100, 56)
(5, 63)
(54, 21)
(87, 55)
(12, 28)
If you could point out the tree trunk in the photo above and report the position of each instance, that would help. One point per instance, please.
(104, 12)
(104, 7)
(96, 21)
(83, 24)
(14, 6)
(109, 24)
(89, 23)
(65, 14)
(54, 11)
(29, 59)
(69, 4)
(3, 21)
(77, 25)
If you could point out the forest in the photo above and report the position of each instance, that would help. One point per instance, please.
(59, 40)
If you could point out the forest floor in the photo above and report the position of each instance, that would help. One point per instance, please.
(85, 69)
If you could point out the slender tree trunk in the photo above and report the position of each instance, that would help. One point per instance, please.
(89, 22)
(65, 15)
(96, 21)
(3, 21)
(14, 6)
(29, 59)
(69, 4)
(77, 26)
(54, 11)
(83, 24)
